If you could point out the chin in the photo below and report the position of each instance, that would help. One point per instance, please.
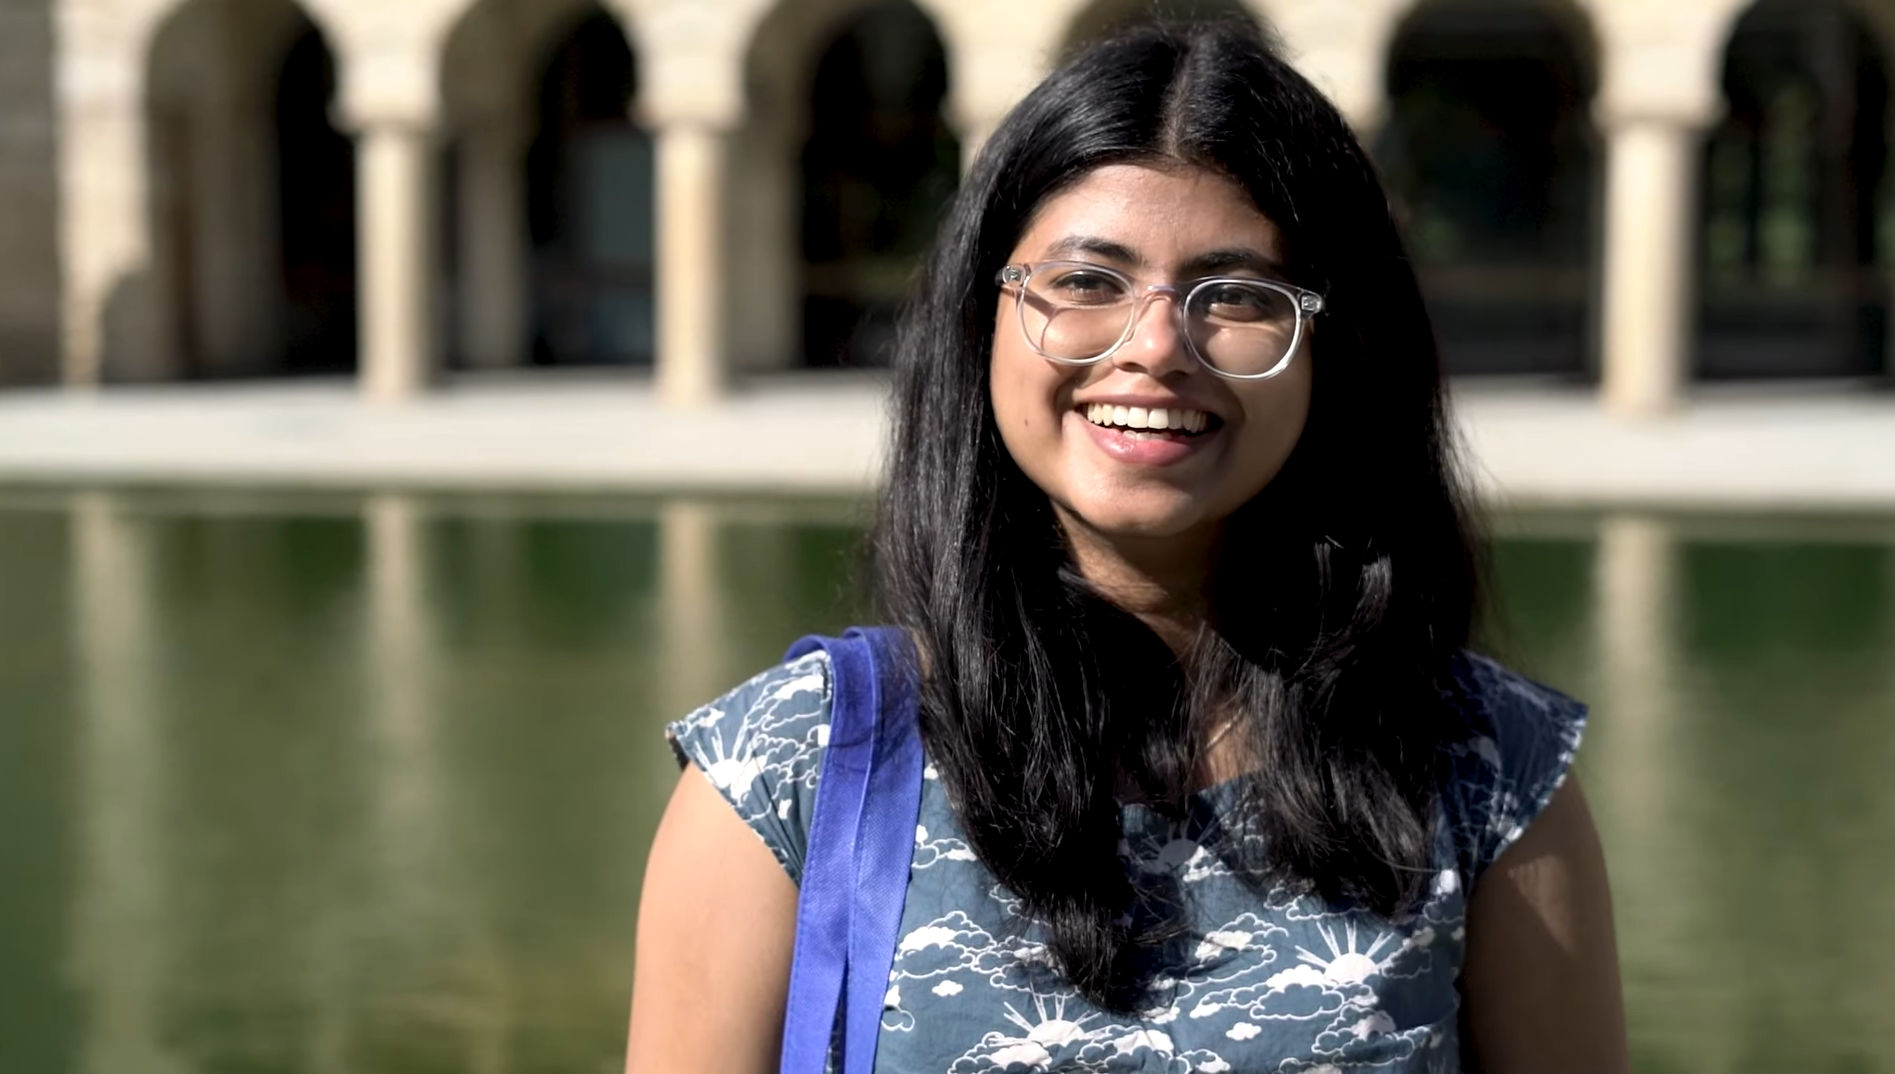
(1118, 521)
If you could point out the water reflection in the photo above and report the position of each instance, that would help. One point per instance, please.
(121, 952)
(1631, 765)
(437, 996)
(362, 784)
(690, 604)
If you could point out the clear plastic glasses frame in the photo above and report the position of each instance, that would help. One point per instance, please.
(1304, 302)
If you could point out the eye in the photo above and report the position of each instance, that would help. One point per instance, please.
(1080, 287)
(1231, 301)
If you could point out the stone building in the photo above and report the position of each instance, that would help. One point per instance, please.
(1635, 193)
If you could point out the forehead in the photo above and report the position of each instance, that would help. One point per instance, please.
(1163, 214)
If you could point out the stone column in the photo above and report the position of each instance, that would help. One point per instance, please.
(974, 132)
(396, 257)
(693, 338)
(997, 51)
(492, 309)
(1651, 176)
(1659, 89)
(104, 227)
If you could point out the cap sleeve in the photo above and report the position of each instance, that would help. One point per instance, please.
(1524, 737)
(761, 746)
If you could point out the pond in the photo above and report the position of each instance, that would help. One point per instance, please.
(341, 783)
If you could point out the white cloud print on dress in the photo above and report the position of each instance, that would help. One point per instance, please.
(1318, 985)
(929, 850)
(773, 752)
(1047, 1040)
(1242, 942)
(953, 944)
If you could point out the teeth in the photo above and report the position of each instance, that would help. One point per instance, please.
(1190, 421)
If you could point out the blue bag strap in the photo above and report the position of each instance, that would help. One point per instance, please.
(861, 843)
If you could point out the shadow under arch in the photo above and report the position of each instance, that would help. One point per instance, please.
(252, 195)
(1492, 164)
(589, 203)
(1795, 243)
(548, 178)
(848, 161)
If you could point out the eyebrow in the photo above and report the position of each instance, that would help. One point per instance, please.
(1219, 261)
(1209, 263)
(1089, 244)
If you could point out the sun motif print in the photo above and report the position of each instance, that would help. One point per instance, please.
(1278, 981)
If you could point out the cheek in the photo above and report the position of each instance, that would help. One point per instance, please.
(1012, 416)
(1024, 389)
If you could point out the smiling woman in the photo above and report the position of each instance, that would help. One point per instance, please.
(1211, 782)
(1115, 478)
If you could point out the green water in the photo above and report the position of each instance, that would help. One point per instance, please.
(362, 784)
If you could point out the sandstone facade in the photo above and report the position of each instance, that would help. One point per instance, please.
(165, 190)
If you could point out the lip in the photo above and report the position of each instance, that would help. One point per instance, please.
(1146, 451)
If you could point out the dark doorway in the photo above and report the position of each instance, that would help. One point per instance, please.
(589, 206)
(1791, 278)
(316, 186)
(1490, 160)
(878, 168)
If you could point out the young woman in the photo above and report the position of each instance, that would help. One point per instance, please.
(1212, 784)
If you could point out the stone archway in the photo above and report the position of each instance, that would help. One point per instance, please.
(1794, 249)
(1491, 160)
(843, 167)
(589, 202)
(548, 247)
(252, 202)
(878, 166)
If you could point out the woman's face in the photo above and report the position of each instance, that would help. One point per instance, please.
(1166, 225)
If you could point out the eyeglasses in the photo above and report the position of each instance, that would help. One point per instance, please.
(1078, 313)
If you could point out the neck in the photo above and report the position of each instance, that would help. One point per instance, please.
(1163, 581)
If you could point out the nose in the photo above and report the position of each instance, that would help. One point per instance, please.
(1157, 346)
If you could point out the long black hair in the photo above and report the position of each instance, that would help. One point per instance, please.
(1343, 590)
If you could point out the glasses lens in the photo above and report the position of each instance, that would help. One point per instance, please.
(1075, 313)
(1240, 327)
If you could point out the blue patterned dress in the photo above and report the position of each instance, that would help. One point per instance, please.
(1284, 982)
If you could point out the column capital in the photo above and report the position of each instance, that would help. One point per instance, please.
(997, 51)
(100, 56)
(388, 88)
(1659, 63)
(388, 58)
(1343, 50)
(692, 58)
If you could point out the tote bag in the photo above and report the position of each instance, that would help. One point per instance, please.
(861, 841)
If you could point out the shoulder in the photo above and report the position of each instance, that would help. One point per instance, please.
(1521, 741)
(761, 746)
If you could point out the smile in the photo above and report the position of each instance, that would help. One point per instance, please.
(1156, 419)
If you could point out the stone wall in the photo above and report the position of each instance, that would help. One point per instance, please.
(29, 260)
